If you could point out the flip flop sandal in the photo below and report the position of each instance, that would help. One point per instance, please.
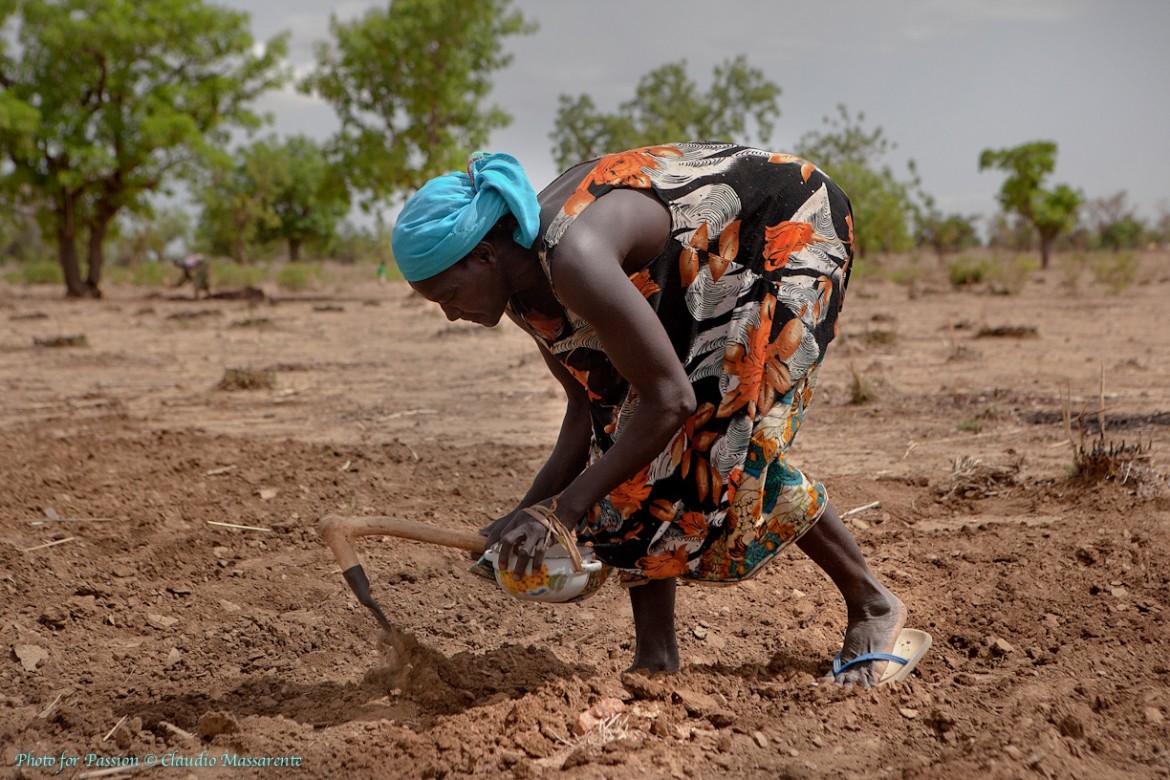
(909, 649)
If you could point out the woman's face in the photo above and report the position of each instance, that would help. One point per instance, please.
(473, 289)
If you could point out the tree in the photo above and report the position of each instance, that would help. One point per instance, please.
(17, 118)
(851, 155)
(309, 197)
(1050, 212)
(1010, 231)
(1115, 222)
(408, 84)
(1160, 229)
(944, 232)
(274, 191)
(148, 236)
(235, 195)
(128, 95)
(667, 106)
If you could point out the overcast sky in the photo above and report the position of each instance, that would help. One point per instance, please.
(944, 78)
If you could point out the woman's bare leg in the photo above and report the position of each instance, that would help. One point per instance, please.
(656, 648)
(875, 615)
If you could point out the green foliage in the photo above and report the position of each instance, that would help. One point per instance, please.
(354, 244)
(235, 210)
(145, 274)
(18, 117)
(1127, 233)
(148, 236)
(20, 235)
(910, 275)
(129, 93)
(310, 198)
(872, 268)
(851, 155)
(944, 233)
(1051, 212)
(1116, 270)
(276, 191)
(150, 274)
(1008, 231)
(1116, 225)
(971, 425)
(965, 271)
(408, 84)
(234, 275)
(1160, 229)
(1073, 265)
(299, 276)
(668, 107)
(1008, 276)
(37, 272)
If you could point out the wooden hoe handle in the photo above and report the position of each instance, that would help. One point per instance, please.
(339, 532)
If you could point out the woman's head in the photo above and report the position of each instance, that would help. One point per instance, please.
(476, 287)
(451, 235)
(443, 222)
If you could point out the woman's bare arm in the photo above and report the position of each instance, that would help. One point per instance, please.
(589, 277)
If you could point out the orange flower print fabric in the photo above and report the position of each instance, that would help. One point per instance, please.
(748, 288)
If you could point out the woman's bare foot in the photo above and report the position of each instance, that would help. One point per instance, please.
(872, 628)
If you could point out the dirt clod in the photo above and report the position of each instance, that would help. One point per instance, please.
(212, 724)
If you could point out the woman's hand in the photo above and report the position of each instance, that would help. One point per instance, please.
(496, 528)
(524, 537)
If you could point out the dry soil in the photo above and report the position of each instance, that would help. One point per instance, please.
(149, 631)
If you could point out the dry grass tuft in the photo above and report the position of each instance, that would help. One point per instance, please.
(1008, 332)
(1101, 459)
(972, 478)
(63, 341)
(861, 390)
(247, 379)
(881, 338)
(191, 316)
(574, 751)
(1104, 461)
(252, 322)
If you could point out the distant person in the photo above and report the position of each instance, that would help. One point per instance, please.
(196, 270)
(684, 296)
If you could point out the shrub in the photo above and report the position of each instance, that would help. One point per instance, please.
(149, 275)
(1073, 265)
(144, 274)
(230, 274)
(1008, 277)
(965, 271)
(38, 272)
(299, 276)
(1115, 270)
(881, 338)
(868, 267)
(971, 425)
(247, 379)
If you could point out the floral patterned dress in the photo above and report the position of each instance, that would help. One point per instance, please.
(748, 289)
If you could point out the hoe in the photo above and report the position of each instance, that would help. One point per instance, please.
(339, 533)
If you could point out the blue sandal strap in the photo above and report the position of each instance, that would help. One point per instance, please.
(839, 667)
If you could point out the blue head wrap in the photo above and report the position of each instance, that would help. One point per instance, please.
(452, 213)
